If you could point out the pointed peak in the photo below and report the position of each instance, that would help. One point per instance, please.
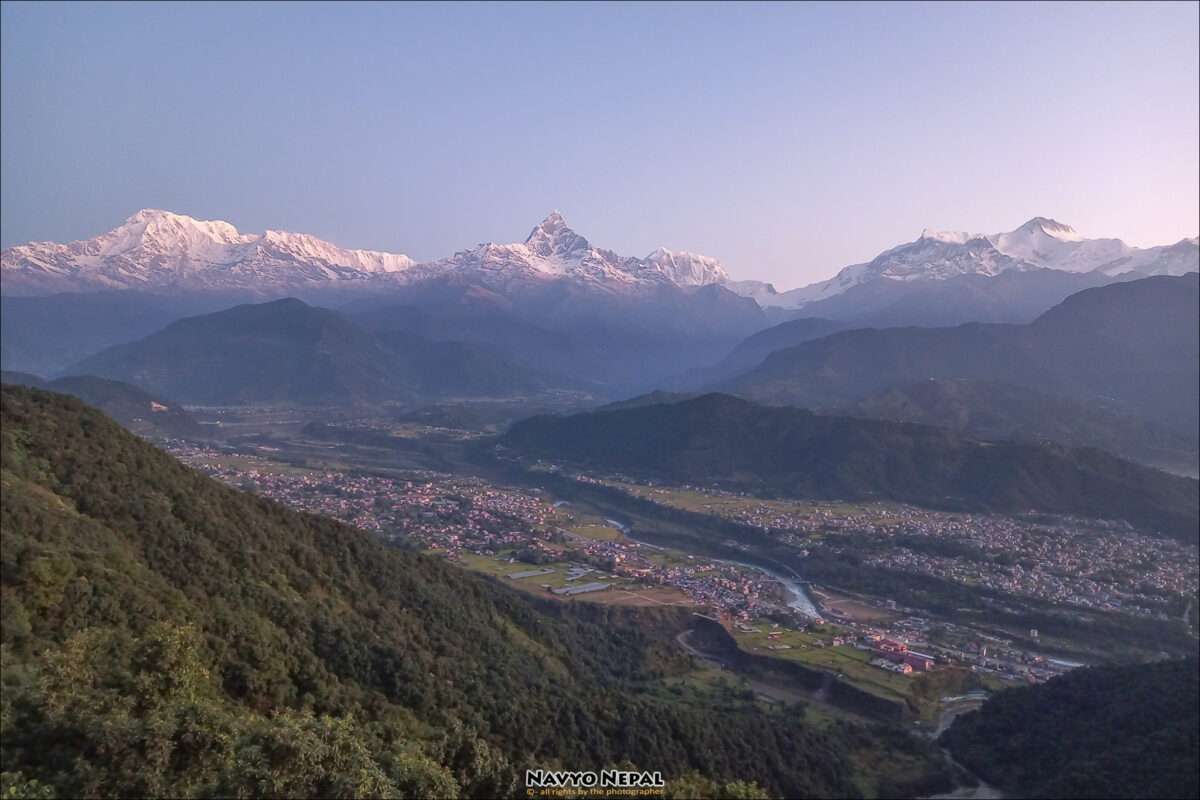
(553, 236)
(553, 222)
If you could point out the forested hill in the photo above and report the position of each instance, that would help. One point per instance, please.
(287, 351)
(164, 635)
(1119, 732)
(797, 453)
(134, 408)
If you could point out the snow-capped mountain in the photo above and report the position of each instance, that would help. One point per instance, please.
(161, 251)
(156, 249)
(684, 269)
(1040, 243)
(553, 251)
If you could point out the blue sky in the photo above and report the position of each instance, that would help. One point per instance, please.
(787, 140)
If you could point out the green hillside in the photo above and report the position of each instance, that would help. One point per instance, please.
(1099, 732)
(792, 452)
(163, 634)
(1131, 348)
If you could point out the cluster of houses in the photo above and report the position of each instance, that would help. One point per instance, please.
(895, 656)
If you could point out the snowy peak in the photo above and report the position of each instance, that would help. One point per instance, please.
(156, 249)
(1050, 244)
(1041, 243)
(163, 233)
(553, 237)
(162, 250)
(951, 237)
(685, 269)
(304, 247)
(553, 251)
(1049, 227)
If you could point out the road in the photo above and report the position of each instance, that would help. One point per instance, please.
(981, 791)
(775, 693)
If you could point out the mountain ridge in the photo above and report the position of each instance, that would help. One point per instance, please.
(796, 453)
(1129, 346)
(286, 351)
(1040, 243)
(157, 249)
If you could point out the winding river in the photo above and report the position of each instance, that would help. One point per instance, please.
(800, 601)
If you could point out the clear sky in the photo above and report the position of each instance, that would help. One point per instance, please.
(787, 140)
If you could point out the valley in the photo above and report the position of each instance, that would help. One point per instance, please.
(599, 401)
(992, 599)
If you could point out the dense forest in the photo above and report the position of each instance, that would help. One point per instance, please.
(163, 634)
(137, 410)
(717, 438)
(1099, 732)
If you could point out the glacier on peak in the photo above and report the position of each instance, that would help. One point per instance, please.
(1040, 243)
(157, 249)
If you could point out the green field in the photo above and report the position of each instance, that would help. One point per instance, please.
(845, 660)
(700, 502)
(499, 566)
(602, 532)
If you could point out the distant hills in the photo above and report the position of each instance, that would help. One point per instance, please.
(992, 410)
(553, 302)
(786, 451)
(134, 408)
(1130, 348)
(1010, 297)
(148, 609)
(47, 334)
(1118, 732)
(286, 351)
(751, 351)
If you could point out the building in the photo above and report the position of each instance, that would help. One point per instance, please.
(919, 661)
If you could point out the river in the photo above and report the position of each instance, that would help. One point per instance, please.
(800, 601)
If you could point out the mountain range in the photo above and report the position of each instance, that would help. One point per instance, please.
(1129, 348)
(1040, 243)
(161, 251)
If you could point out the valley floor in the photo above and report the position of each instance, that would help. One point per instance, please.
(952, 587)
